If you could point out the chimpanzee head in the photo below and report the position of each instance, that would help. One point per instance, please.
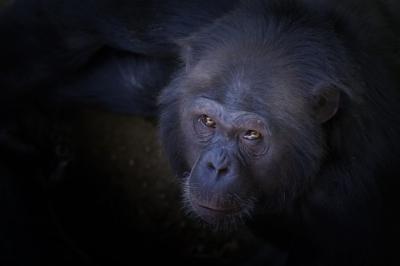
(244, 123)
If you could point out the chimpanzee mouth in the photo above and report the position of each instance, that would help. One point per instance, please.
(213, 214)
(220, 218)
(225, 213)
(220, 210)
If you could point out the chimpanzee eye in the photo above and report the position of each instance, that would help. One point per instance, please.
(252, 135)
(207, 121)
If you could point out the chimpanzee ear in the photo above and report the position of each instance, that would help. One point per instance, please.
(326, 102)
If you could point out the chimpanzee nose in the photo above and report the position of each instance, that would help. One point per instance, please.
(218, 162)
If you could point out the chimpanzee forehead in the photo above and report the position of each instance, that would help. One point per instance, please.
(247, 86)
(280, 60)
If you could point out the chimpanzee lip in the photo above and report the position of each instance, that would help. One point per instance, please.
(219, 209)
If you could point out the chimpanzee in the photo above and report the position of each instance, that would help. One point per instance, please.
(286, 117)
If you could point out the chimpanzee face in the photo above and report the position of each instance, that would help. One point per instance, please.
(247, 128)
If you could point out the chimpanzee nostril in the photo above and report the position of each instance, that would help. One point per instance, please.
(222, 171)
(210, 166)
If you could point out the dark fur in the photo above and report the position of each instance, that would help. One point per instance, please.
(49, 41)
(336, 205)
